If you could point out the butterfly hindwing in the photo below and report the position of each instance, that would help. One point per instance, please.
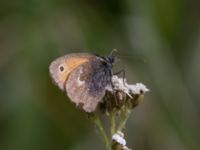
(86, 84)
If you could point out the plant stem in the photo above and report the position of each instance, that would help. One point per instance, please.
(99, 124)
(112, 122)
(124, 117)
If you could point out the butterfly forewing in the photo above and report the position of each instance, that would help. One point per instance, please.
(62, 66)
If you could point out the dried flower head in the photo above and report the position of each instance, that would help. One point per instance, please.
(119, 138)
(119, 142)
(122, 94)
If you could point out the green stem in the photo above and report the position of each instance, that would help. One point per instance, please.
(124, 117)
(112, 122)
(99, 124)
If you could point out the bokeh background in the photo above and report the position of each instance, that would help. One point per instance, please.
(158, 44)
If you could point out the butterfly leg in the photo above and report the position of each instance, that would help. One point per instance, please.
(123, 74)
(114, 91)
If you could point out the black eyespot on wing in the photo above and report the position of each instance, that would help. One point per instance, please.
(61, 68)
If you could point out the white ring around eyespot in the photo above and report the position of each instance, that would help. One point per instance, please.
(61, 70)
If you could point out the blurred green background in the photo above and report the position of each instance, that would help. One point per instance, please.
(158, 44)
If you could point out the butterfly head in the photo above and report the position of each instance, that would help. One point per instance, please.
(111, 59)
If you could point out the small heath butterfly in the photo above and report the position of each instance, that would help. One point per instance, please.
(83, 77)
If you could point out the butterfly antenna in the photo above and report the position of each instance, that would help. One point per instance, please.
(113, 52)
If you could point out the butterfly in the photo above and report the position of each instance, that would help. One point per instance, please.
(84, 77)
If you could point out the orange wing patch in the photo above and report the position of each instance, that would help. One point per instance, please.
(71, 64)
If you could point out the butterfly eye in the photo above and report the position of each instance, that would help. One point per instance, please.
(61, 68)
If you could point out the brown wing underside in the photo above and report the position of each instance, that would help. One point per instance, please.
(78, 88)
(69, 62)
